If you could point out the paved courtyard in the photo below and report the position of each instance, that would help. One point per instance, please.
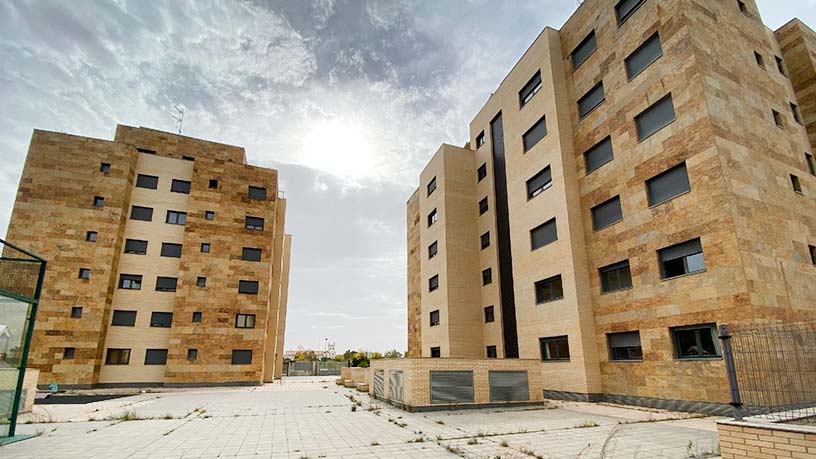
(314, 418)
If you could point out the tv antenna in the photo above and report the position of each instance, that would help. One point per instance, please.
(180, 117)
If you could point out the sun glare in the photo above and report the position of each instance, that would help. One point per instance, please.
(340, 148)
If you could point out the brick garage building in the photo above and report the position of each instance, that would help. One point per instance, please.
(639, 177)
(167, 260)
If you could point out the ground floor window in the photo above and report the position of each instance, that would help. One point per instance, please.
(696, 341)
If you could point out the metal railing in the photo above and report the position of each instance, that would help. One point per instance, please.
(771, 370)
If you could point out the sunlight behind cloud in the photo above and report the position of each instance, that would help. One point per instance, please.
(341, 148)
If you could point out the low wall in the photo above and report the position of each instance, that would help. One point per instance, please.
(412, 376)
(741, 439)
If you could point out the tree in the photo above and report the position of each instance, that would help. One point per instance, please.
(393, 354)
(305, 356)
(359, 359)
(375, 356)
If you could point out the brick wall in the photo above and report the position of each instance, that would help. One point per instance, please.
(763, 441)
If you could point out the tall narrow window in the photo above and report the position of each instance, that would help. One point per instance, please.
(254, 223)
(741, 5)
(643, 56)
(432, 186)
(668, 184)
(487, 276)
(656, 117)
(256, 192)
(180, 186)
(432, 217)
(795, 183)
(777, 117)
(480, 139)
(489, 314)
(433, 249)
(248, 287)
(584, 49)
(780, 65)
(536, 132)
(150, 182)
(616, 276)
(812, 250)
(433, 283)
(549, 289)
(811, 164)
(759, 60)
(434, 318)
(539, 182)
(485, 240)
(483, 206)
(554, 348)
(624, 9)
(680, 259)
(625, 346)
(530, 89)
(141, 213)
(543, 234)
(176, 218)
(795, 111)
(607, 213)
(598, 155)
(481, 173)
(491, 352)
(166, 284)
(696, 341)
(591, 99)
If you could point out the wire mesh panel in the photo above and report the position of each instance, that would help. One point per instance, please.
(508, 386)
(451, 386)
(395, 385)
(379, 382)
(775, 367)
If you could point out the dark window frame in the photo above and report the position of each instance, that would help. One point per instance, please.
(141, 210)
(811, 163)
(197, 316)
(530, 89)
(628, 14)
(432, 218)
(760, 60)
(433, 249)
(777, 118)
(651, 109)
(249, 287)
(149, 182)
(780, 65)
(239, 357)
(98, 201)
(168, 249)
(596, 149)
(590, 37)
(542, 227)
(251, 254)
(609, 201)
(130, 279)
(491, 352)
(180, 218)
(812, 250)
(796, 184)
(206, 247)
(180, 186)
(123, 318)
(104, 168)
(431, 185)
(620, 283)
(257, 193)
(663, 175)
(583, 112)
(245, 321)
(434, 318)
(117, 356)
(481, 172)
(84, 273)
(76, 312)
(433, 283)
(525, 138)
(140, 249)
(641, 48)
(553, 292)
(166, 280)
(632, 353)
(487, 276)
(548, 355)
(68, 353)
(254, 223)
(209, 215)
(436, 352)
(480, 139)
(532, 193)
(160, 323)
(192, 354)
(684, 258)
(201, 281)
(483, 206)
(797, 115)
(710, 327)
(489, 314)
(91, 236)
(484, 240)
(155, 353)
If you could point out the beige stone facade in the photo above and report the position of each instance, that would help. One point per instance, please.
(742, 125)
(78, 207)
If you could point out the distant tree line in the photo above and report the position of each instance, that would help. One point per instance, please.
(354, 358)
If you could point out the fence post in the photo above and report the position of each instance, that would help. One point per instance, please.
(731, 372)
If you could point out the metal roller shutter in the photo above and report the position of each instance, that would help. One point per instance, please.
(379, 380)
(508, 386)
(451, 386)
(395, 385)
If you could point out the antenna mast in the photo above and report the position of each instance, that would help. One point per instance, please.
(180, 117)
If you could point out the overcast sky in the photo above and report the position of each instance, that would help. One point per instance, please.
(346, 98)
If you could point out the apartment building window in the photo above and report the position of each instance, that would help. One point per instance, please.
(209, 215)
(539, 182)
(171, 250)
(251, 254)
(616, 276)
(146, 151)
(141, 213)
(489, 314)
(180, 186)
(795, 111)
(201, 281)
(607, 213)
(166, 284)
(254, 223)
(643, 56)
(811, 164)
(76, 312)
(431, 186)
(549, 289)
(257, 192)
(117, 357)
(432, 218)
(104, 168)
(150, 182)
(491, 352)
(695, 341)
(485, 240)
(248, 287)
(530, 89)
(481, 173)
(543, 234)
(192, 355)
(624, 9)
(213, 184)
(797, 186)
(433, 283)
(777, 117)
(759, 60)
(196, 316)
(625, 346)
(487, 276)
(554, 348)
(480, 139)
(680, 259)
(436, 352)
(598, 155)
(68, 353)
(98, 201)
(242, 357)
(130, 282)
(175, 217)
(188, 158)
(205, 247)
(668, 185)
(584, 49)
(434, 318)
(433, 250)
(591, 99)
(656, 117)
(741, 5)
(533, 135)
(483, 206)
(244, 320)
(85, 273)
(812, 250)
(161, 319)
(90, 236)
(155, 357)
(135, 246)
(123, 318)
(780, 65)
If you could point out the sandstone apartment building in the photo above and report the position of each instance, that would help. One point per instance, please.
(641, 176)
(167, 261)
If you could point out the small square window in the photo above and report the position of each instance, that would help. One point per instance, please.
(795, 111)
(489, 314)
(433, 283)
(76, 312)
(491, 352)
(433, 249)
(481, 173)
(192, 354)
(68, 353)
(780, 65)
(213, 184)
(432, 217)
(696, 342)
(487, 276)
(248, 287)
(201, 281)
(759, 59)
(550, 289)
(180, 186)
(209, 215)
(554, 348)
(483, 206)
(480, 139)
(104, 168)
(251, 254)
(98, 201)
(777, 117)
(245, 321)
(485, 240)
(196, 316)
(257, 192)
(90, 236)
(242, 357)
(625, 346)
(436, 352)
(84, 273)
(797, 186)
(205, 247)
(434, 318)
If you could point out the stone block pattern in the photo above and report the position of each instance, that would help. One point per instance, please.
(178, 146)
(414, 282)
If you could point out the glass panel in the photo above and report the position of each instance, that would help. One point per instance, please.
(539, 183)
(655, 117)
(668, 184)
(642, 57)
(543, 234)
(599, 155)
(591, 99)
(535, 133)
(584, 50)
(607, 213)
